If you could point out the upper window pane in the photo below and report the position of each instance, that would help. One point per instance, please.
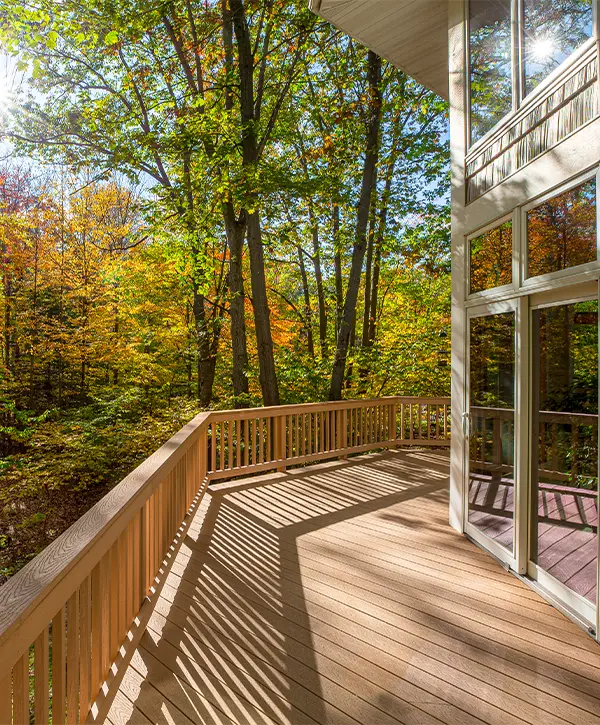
(490, 64)
(561, 232)
(491, 258)
(552, 30)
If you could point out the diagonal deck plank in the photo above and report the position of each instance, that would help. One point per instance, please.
(338, 594)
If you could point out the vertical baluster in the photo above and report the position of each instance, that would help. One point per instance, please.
(6, 699)
(122, 553)
(213, 446)
(96, 637)
(105, 614)
(296, 438)
(41, 680)
(574, 449)
(137, 563)
(114, 602)
(59, 671)
(410, 422)
(226, 428)
(85, 630)
(73, 659)
(321, 444)
(269, 439)
(261, 440)
(251, 442)
(290, 441)
(21, 690)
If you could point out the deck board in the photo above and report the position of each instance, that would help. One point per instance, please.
(339, 595)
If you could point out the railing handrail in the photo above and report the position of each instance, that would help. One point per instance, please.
(82, 544)
(278, 410)
(544, 416)
(159, 492)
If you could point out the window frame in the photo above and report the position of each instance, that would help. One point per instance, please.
(493, 292)
(519, 98)
(529, 284)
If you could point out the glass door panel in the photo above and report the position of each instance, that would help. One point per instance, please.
(564, 503)
(491, 502)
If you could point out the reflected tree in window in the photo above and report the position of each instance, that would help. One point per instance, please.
(552, 30)
(492, 428)
(561, 232)
(491, 258)
(490, 64)
(565, 444)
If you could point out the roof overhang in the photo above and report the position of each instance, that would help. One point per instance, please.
(411, 34)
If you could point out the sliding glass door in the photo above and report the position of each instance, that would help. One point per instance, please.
(563, 538)
(490, 428)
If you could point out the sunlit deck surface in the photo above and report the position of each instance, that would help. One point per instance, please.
(339, 594)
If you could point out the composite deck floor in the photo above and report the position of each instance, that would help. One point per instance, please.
(339, 594)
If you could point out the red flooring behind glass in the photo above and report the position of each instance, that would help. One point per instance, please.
(568, 521)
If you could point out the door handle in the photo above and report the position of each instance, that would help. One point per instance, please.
(467, 421)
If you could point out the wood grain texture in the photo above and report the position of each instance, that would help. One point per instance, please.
(339, 594)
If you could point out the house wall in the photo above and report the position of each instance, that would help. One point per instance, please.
(550, 141)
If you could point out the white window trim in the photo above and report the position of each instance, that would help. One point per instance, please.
(500, 552)
(588, 270)
(582, 607)
(520, 100)
(493, 292)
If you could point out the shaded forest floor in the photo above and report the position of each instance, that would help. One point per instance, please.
(69, 461)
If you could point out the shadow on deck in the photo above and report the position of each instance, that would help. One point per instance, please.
(339, 594)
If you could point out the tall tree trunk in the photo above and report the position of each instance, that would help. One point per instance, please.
(260, 304)
(368, 273)
(235, 231)
(235, 228)
(307, 307)
(262, 320)
(337, 263)
(374, 293)
(207, 358)
(206, 338)
(362, 219)
(316, 242)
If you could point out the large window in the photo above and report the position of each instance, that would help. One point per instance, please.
(561, 232)
(552, 30)
(548, 31)
(490, 259)
(491, 64)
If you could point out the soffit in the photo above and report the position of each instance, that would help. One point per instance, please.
(411, 34)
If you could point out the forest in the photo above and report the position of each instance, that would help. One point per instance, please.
(203, 204)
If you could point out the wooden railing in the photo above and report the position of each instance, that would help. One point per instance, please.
(65, 616)
(567, 442)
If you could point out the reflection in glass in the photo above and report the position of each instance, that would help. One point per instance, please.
(552, 30)
(491, 258)
(565, 444)
(561, 232)
(491, 441)
(490, 48)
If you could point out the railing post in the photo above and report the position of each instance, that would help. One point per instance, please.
(279, 442)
